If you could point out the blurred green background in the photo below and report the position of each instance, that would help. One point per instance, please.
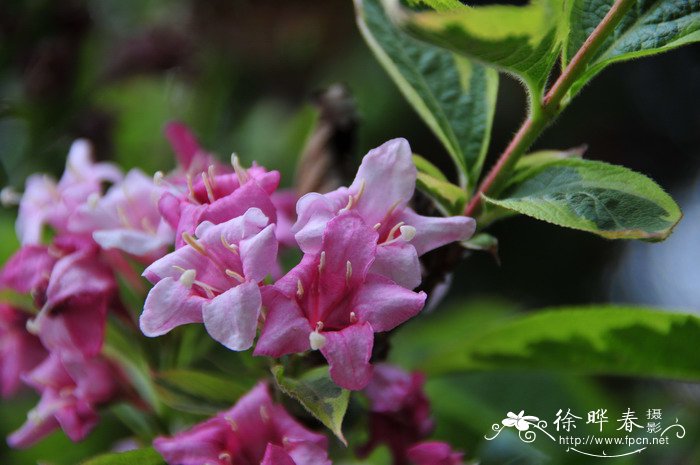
(242, 73)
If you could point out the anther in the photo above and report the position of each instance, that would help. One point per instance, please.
(192, 242)
(225, 457)
(407, 232)
(207, 186)
(158, 178)
(235, 275)
(264, 413)
(322, 261)
(353, 317)
(316, 339)
(377, 226)
(393, 231)
(188, 277)
(348, 272)
(241, 173)
(300, 289)
(229, 419)
(33, 326)
(231, 247)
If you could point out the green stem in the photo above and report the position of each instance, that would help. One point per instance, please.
(550, 106)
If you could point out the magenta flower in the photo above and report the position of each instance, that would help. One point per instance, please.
(47, 202)
(255, 431)
(70, 391)
(217, 198)
(434, 453)
(20, 351)
(29, 270)
(213, 279)
(333, 302)
(75, 302)
(127, 217)
(380, 193)
(399, 411)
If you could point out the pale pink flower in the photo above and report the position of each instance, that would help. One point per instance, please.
(380, 194)
(333, 302)
(285, 201)
(127, 217)
(399, 411)
(213, 279)
(20, 351)
(46, 202)
(434, 453)
(70, 392)
(255, 431)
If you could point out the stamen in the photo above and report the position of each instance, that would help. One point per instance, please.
(188, 278)
(235, 275)
(33, 326)
(231, 247)
(407, 232)
(207, 186)
(192, 242)
(358, 196)
(322, 261)
(226, 457)
(316, 339)
(351, 202)
(264, 413)
(123, 218)
(393, 231)
(158, 178)
(190, 189)
(93, 200)
(353, 317)
(300, 289)
(377, 226)
(241, 173)
(212, 175)
(229, 419)
(9, 197)
(348, 272)
(148, 226)
(392, 208)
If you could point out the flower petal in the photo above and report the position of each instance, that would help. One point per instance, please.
(232, 317)
(259, 254)
(385, 304)
(348, 352)
(286, 330)
(398, 261)
(275, 455)
(169, 304)
(131, 241)
(389, 178)
(433, 232)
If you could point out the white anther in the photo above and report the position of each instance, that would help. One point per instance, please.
(317, 340)
(188, 277)
(33, 326)
(192, 242)
(300, 289)
(348, 271)
(264, 414)
(322, 261)
(241, 173)
(225, 457)
(377, 226)
(407, 232)
(207, 186)
(158, 178)
(353, 317)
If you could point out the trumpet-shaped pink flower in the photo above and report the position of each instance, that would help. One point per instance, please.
(217, 198)
(75, 301)
(434, 453)
(213, 279)
(127, 217)
(255, 431)
(399, 411)
(333, 302)
(20, 351)
(47, 202)
(70, 391)
(380, 194)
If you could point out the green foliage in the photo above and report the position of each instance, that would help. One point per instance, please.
(523, 41)
(454, 96)
(432, 182)
(319, 395)
(649, 27)
(608, 200)
(147, 456)
(198, 391)
(587, 340)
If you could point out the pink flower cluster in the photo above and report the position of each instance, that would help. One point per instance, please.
(208, 236)
(361, 246)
